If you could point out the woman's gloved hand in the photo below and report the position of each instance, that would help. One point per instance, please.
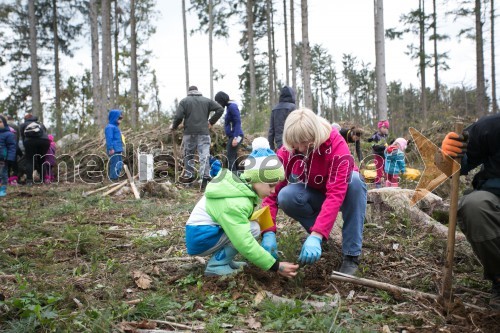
(311, 250)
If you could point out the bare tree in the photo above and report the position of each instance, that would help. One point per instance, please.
(116, 33)
(186, 57)
(96, 89)
(35, 78)
(292, 45)
(210, 44)
(436, 57)
(251, 58)
(480, 85)
(134, 85)
(270, 53)
(423, 98)
(380, 60)
(106, 78)
(287, 64)
(57, 76)
(306, 57)
(493, 70)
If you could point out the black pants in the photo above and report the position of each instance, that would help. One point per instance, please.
(14, 167)
(232, 154)
(479, 218)
(36, 148)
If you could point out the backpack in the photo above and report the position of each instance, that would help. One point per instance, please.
(33, 130)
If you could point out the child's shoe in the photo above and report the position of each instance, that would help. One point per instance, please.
(220, 262)
(3, 191)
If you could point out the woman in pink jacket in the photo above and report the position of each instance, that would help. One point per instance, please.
(321, 180)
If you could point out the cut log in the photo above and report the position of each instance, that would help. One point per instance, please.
(396, 201)
(114, 189)
(131, 181)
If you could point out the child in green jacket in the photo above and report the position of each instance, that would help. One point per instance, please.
(219, 224)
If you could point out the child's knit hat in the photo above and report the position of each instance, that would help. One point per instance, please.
(402, 143)
(383, 123)
(262, 165)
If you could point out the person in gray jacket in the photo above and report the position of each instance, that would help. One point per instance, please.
(278, 116)
(195, 110)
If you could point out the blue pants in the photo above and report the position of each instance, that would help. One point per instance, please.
(115, 166)
(304, 205)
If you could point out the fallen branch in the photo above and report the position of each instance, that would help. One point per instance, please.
(381, 285)
(198, 259)
(85, 194)
(132, 184)
(116, 188)
(176, 325)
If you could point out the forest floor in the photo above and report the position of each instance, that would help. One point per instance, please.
(70, 263)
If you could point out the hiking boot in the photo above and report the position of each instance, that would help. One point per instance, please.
(495, 295)
(349, 265)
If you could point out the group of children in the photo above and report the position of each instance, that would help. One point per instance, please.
(12, 140)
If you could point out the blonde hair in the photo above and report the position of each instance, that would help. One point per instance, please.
(302, 126)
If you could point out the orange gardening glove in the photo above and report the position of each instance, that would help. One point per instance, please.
(454, 145)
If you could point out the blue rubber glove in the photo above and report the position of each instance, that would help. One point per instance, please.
(311, 250)
(269, 243)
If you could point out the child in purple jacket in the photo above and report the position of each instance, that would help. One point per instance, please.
(50, 162)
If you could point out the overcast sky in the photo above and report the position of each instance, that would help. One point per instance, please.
(340, 26)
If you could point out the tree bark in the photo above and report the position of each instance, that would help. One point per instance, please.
(423, 93)
(287, 64)
(292, 45)
(306, 57)
(106, 57)
(380, 60)
(134, 86)
(251, 58)
(493, 69)
(480, 85)
(436, 56)
(270, 54)
(57, 76)
(116, 33)
(186, 57)
(96, 89)
(210, 45)
(35, 78)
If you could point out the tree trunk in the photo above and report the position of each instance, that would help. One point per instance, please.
(306, 57)
(287, 64)
(436, 56)
(493, 70)
(480, 85)
(292, 45)
(96, 89)
(57, 76)
(251, 59)
(186, 57)
(380, 60)
(116, 33)
(210, 45)
(275, 74)
(106, 57)
(270, 54)
(35, 79)
(134, 86)
(423, 99)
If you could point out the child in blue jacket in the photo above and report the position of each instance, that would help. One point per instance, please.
(7, 154)
(395, 162)
(114, 144)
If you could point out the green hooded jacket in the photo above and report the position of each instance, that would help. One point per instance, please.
(230, 202)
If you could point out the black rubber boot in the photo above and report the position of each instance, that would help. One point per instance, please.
(349, 265)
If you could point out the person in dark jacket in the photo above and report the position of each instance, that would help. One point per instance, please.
(195, 110)
(479, 211)
(278, 116)
(114, 143)
(14, 167)
(7, 153)
(36, 143)
(232, 127)
(380, 143)
(353, 135)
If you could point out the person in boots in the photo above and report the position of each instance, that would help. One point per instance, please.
(219, 223)
(478, 213)
(7, 153)
(36, 143)
(114, 144)
(379, 145)
(322, 180)
(395, 162)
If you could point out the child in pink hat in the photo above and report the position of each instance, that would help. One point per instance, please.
(50, 162)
